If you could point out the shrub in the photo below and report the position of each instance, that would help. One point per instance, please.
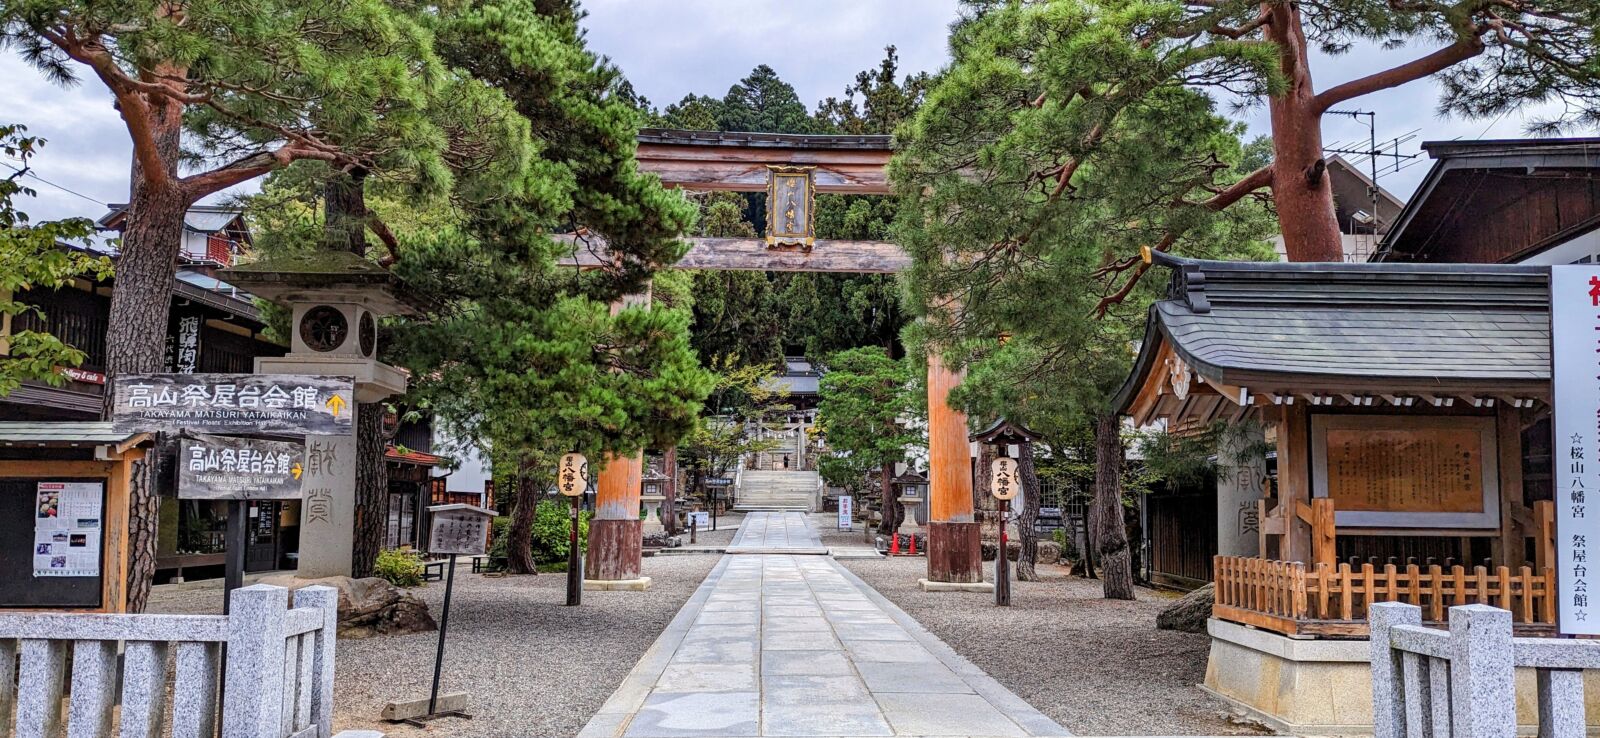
(550, 532)
(401, 567)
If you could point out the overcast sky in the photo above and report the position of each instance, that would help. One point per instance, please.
(670, 49)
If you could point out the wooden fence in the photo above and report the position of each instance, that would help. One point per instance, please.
(1330, 600)
(1462, 682)
(278, 669)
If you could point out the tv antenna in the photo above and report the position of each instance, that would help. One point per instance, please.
(1374, 152)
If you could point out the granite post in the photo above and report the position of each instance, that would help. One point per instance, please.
(1388, 695)
(1482, 673)
(328, 507)
(1242, 472)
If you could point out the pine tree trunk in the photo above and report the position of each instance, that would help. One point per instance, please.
(344, 229)
(372, 489)
(1301, 189)
(1027, 516)
(1110, 535)
(136, 331)
(669, 506)
(519, 541)
(893, 512)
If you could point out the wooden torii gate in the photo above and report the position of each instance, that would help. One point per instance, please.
(783, 165)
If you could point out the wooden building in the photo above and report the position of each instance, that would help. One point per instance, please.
(1405, 401)
(1518, 201)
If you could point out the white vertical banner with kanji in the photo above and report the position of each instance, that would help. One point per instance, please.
(1575, 354)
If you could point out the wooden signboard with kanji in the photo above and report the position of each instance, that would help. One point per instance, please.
(1401, 471)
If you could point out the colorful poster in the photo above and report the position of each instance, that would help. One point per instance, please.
(67, 528)
(1575, 338)
(847, 506)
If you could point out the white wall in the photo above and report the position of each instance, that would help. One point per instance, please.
(1583, 249)
(474, 469)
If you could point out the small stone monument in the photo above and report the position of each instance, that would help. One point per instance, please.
(336, 299)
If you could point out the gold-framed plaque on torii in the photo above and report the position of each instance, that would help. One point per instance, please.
(791, 200)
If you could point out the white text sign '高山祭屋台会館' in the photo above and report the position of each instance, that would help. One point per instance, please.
(268, 404)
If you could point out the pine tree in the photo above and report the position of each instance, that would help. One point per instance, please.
(252, 90)
(1010, 235)
(865, 405)
(1080, 66)
(762, 102)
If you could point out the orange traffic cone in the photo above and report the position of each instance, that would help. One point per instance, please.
(894, 548)
(913, 544)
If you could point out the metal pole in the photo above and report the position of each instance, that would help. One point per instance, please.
(444, 627)
(1002, 567)
(574, 561)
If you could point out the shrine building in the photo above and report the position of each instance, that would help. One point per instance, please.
(1409, 407)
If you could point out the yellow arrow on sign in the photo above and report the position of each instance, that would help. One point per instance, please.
(336, 404)
(296, 470)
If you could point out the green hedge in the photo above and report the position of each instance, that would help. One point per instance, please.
(551, 531)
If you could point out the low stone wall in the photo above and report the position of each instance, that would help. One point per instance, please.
(1321, 687)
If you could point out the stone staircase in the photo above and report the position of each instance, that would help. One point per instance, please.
(777, 490)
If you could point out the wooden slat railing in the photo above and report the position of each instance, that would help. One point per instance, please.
(1333, 600)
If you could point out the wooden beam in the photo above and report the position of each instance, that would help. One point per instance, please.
(752, 254)
(744, 168)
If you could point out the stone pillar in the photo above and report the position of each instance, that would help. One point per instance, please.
(1239, 490)
(954, 555)
(615, 534)
(328, 506)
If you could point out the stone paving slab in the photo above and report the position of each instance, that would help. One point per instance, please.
(782, 645)
(777, 532)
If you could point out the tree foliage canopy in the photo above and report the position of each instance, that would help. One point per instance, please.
(35, 256)
(867, 407)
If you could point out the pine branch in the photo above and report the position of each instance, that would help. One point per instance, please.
(1394, 77)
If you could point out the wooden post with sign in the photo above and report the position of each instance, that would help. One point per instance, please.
(452, 530)
(1003, 485)
(572, 478)
(238, 470)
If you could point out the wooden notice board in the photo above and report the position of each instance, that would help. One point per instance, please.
(1404, 471)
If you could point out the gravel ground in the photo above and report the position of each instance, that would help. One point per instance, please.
(531, 666)
(727, 525)
(1096, 666)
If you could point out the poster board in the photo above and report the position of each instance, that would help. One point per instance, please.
(1575, 449)
(1401, 471)
(69, 573)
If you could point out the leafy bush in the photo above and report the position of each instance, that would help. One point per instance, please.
(550, 532)
(402, 567)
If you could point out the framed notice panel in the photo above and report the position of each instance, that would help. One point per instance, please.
(1398, 471)
(52, 538)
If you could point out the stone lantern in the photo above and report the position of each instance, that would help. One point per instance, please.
(911, 489)
(336, 300)
(653, 493)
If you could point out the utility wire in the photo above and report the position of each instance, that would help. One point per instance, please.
(31, 175)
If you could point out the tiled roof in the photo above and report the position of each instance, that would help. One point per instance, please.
(62, 433)
(1383, 326)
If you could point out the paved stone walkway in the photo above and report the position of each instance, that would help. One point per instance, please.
(785, 645)
(776, 533)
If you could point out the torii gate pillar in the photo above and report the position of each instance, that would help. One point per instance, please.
(955, 556)
(615, 537)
